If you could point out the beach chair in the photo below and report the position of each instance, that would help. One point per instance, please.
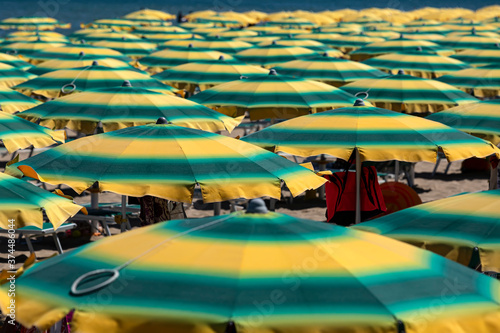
(104, 217)
(47, 229)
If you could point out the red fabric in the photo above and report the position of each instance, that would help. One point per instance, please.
(371, 196)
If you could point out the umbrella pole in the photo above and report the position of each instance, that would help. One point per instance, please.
(493, 178)
(396, 170)
(217, 208)
(125, 224)
(94, 203)
(358, 187)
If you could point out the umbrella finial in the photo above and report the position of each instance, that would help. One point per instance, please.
(221, 58)
(325, 54)
(95, 63)
(273, 42)
(401, 327)
(401, 72)
(401, 36)
(190, 45)
(473, 31)
(272, 71)
(230, 328)
(83, 41)
(359, 102)
(419, 48)
(126, 83)
(81, 54)
(162, 121)
(257, 206)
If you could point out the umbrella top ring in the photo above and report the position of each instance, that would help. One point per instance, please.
(72, 87)
(114, 275)
(365, 93)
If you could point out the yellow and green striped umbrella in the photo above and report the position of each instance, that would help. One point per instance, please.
(31, 23)
(479, 81)
(117, 24)
(417, 63)
(454, 227)
(254, 272)
(14, 61)
(480, 119)
(131, 48)
(167, 161)
(398, 45)
(158, 14)
(125, 106)
(66, 81)
(273, 96)
(17, 133)
(164, 29)
(328, 69)
(257, 39)
(207, 74)
(217, 44)
(286, 32)
(74, 52)
(352, 42)
(11, 76)
(232, 34)
(165, 37)
(82, 61)
(305, 43)
(208, 30)
(478, 58)
(377, 134)
(292, 22)
(110, 36)
(28, 48)
(410, 94)
(12, 101)
(470, 41)
(274, 54)
(161, 60)
(181, 42)
(37, 38)
(20, 33)
(23, 202)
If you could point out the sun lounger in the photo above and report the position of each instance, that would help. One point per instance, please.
(104, 217)
(47, 229)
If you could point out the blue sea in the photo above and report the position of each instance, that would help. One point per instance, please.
(76, 12)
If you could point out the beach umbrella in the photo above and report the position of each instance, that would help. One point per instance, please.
(28, 48)
(125, 106)
(14, 61)
(417, 63)
(145, 20)
(472, 40)
(305, 43)
(25, 205)
(161, 38)
(257, 39)
(220, 20)
(83, 61)
(67, 81)
(232, 34)
(110, 36)
(161, 60)
(401, 44)
(285, 32)
(251, 272)
(167, 161)
(482, 57)
(74, 52)
(410, 94)
(292, 22)
(163, 29)
(467, 26)
(195, 25)
(158, 14)
(131, 48)
(205, 31)
(11, 76)
(12, 101)
(479, 81)
(218, 44)
(37, 38)
(480, 119)
(273, 96)
(348, 43)
(328, 69)
(207, 74)
(116, 24)
(341, 28)
(272, 55)
(260, 16)
(458, 228)
(370, 134)
(21, 33)
(31, 23)
(17, 133)
(388, 34)
(424, 36)
(323, 37)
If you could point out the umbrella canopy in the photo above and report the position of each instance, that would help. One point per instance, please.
(167, 161)
(131, 48)
(83, 61)
(398, 45)
(23, 202)
(31, 23)
(377, 134)
(110, 36)
(353, 42)
(28, 48)
(221, 45)
(252, 273)
(162, 38)
(272, 55)
(14, 61)
(469, 41)
(125, 106)
(74, 52)
(406, 93)
(273, 96)
(165, 59)
(12, 101)
(207, 74)
(479, 81)
(11, 76)
(158, 14)
(417, 63)
(115, 24)
(477, 58)
(17, 133)
(24, 39)
(452, 227)
(230, 34)
(481, 119)
(301, 42)
(330, 70)
(67, 81)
